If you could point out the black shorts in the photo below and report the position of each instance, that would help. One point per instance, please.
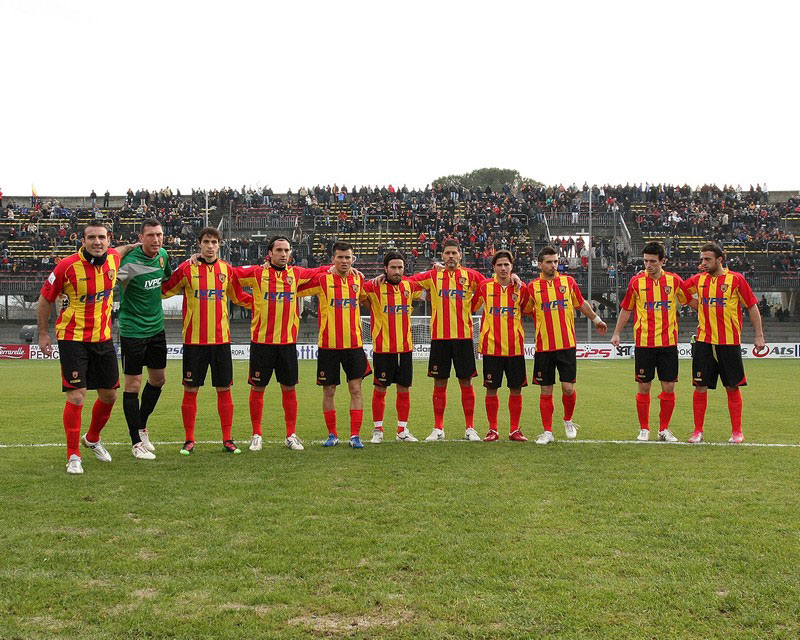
(266, 358)
(512, 366)
(649, 359)
(197, 358)
(88, 365)
(143, 352)
(394, 368)
(710, 361)
(459, 352)
(353, 361)
(545, 364)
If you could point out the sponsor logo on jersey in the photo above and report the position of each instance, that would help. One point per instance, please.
(657, 305)
(153, 283)
(91, 298)
(276, 296)
(713, 302)
(452, 293)
(209, 294)
(344, 303)
(395, 308)
(501, 311)
(554, 304)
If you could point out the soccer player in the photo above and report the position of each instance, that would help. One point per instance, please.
(206, 288)
(654, 295)
(555, 298)
(141, 329)
(720, 295)
(451, 291)
(390, 306)
(340, 343)
(273, 346)
(83, 329)
(502, 343)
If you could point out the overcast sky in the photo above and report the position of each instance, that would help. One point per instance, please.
(113, 95)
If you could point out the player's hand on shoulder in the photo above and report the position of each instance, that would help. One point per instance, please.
(379, 280)
(438, 266)
(357, 273)
(194, 259)
(125, 248)
(516, 281)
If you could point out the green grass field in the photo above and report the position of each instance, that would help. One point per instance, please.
(444, 540)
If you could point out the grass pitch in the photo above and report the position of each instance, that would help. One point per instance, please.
(450, 540)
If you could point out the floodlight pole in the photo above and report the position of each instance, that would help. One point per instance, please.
(206, 224)
(591, 251)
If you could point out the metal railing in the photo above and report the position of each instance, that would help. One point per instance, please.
(256, 222)
(579, 220)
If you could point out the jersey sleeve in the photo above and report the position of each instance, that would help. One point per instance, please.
(54, 284)
(629, 301)
(416, 291)
(174, 286)
(745, 292)
(304, 274)
(363, 296)
(247, 276)
(575, 293)
(525, 301)
(476, 279)
(424, 279)
(167, 266)
(680, 292)
(310, 288)
(690, 287)
(479, 298)
(237, 296)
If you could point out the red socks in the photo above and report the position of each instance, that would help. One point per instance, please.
(569, 404)
(378, 407)
(101, 412)
(403, 409)
(72, 427)
(468, 401)
(356, 417)
(289, 401)
(256, 410)
(225, 410)
(514, 411)
(699, 404)
(667, 407)
(643, 410)
(189, 413)
(492, 407)
(330, 421)
(735, 409)
(439, 404)
(546, 409)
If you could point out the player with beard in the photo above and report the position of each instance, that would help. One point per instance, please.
(391, 306)
(555, 298)
(719, 296)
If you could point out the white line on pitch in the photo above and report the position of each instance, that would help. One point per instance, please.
(459, 441)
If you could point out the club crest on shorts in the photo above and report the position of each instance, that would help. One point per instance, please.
(488, 376)
(222, 277)
(256, 374)
(723, 288)
(74, 374)
(188, 374)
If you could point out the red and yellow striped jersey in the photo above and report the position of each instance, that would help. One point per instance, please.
(275, 317)
(390, 309)
(719, 305)
(339, 310)
(554, 303)
(656, 305)
(90, 296)
(206, 289)
(451, 294)
(502, 333)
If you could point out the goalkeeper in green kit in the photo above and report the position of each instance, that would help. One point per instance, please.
(141, 329)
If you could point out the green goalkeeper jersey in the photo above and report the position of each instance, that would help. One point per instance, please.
(140, 277)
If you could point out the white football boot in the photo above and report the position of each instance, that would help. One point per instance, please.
(145, 438)
(546, 437)
(644, 435)
(293, 442)
(436, 435)
(666, 436)
(140, 452)
(377, 436)
(74, 466)
(472, 435)
(256, 442)
(99, 450)
(571, 429)
(406, 436)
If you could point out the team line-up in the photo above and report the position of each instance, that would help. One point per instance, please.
(86, 282)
